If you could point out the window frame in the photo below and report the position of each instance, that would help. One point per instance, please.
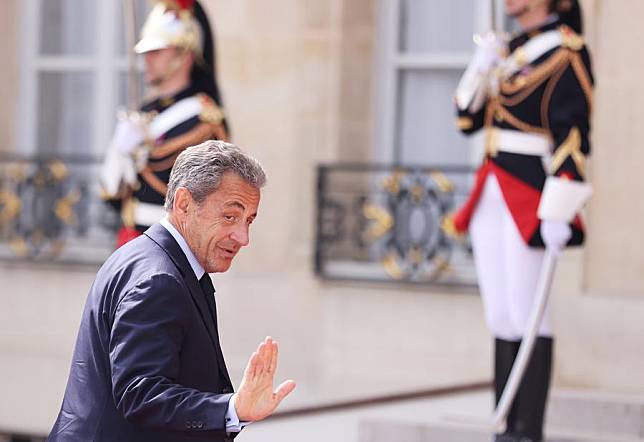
(391, 64)
(105, 65)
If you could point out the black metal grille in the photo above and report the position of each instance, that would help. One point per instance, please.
(383, 223)
(51, 210)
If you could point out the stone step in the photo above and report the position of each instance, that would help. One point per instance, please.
(383, 431)
(596, 413)
(573, 416)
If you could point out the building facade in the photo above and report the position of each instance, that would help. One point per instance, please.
(322, 82)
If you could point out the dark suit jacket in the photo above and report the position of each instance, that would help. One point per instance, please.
(147, 364)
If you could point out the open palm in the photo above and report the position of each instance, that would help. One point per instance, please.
(256, 398)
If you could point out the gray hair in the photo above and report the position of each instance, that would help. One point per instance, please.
(200, 168)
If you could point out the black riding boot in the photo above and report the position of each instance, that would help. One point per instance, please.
(533, 393)
(505, 352)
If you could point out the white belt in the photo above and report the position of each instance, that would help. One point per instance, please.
(513, 141)
(146, 214)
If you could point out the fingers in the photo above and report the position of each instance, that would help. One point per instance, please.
(261, 360)
(252, 367)
(268, 353)
(272, 367)
(264, 355)
(284, 390)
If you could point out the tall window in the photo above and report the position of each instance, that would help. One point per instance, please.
(424, 47)
(74, 74)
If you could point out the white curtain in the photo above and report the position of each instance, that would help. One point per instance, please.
(65, 112)
(426, 133)
(437, 25)
(66, 93)
(68, 27)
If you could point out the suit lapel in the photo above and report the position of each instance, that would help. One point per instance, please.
(164, 239)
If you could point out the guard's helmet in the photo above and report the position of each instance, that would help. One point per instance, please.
(170, 24)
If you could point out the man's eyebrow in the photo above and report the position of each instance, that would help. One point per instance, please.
(240, 206)
(235, 204)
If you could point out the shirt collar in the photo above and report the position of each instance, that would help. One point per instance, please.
(196, 267)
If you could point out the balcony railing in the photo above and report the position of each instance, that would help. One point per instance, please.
(383, 223)
(374, 223)
(51, 210)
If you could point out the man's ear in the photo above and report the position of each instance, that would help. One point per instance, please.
(182, 201)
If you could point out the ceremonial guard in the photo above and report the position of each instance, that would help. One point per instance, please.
(532, 97)
(183, 109)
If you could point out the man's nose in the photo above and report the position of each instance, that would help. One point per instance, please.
(241, 234)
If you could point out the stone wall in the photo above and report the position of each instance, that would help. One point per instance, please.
(297, 82)
(598, 301)
(9, 73)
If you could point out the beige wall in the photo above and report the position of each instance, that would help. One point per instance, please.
(297, 78)
(598, 302)
(615, 258)
(9, 45)
(298, 89)
(357, 81)
(279, 70)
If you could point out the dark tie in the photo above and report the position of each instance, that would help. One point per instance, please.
(209, 294)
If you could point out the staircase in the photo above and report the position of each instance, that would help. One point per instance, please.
(573, 416)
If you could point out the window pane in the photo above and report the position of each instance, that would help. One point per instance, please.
(141, 9)
(123, 89)
(67, 27)
(426, 131)
(65, 112)
(437, 25)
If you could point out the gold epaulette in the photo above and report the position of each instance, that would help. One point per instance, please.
(464, 123)
(570, 39)
(210, 113)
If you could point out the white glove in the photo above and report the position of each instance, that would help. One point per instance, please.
(117, 169)
(128, 134)
(489, 48)
(473, 86)
(555, 234)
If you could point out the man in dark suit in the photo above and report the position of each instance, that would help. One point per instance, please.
(148, 365)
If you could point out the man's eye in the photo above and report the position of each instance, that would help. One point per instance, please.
(230, 217)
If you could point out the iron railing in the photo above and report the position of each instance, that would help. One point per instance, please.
(383, 223)
(374, 223)
(51, 210)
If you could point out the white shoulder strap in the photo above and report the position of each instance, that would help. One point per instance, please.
(176, 114)
(529, 52)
